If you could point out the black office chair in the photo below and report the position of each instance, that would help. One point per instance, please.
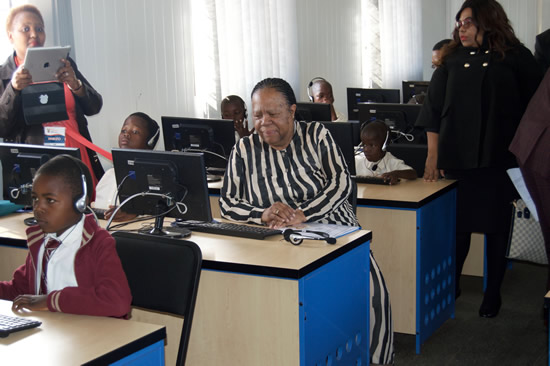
(414, 155)
(163, 274)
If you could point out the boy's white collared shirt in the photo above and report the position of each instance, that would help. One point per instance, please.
(61, 265)
(389, 163)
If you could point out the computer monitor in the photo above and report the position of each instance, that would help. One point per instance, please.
(343, 135)
(307, 111)
(358, 95)
(412, 88)
(163, 183)
(19, 165)
(398, 117)
(214, 137)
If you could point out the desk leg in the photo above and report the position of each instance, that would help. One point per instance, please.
(334, 311)
(436, 236)
(150, 355)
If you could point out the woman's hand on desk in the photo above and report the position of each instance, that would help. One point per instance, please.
(280, 215)
(431, 173)
(30, 302)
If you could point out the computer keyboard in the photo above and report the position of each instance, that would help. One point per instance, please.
(371, 180)
(10, 324)
(230, 229)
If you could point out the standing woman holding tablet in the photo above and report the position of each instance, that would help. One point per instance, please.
(25, 29)
(478, 93)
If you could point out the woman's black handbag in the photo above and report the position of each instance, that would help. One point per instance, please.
(44, 102)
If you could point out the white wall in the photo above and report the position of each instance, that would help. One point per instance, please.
(329, 42)
(130, 51)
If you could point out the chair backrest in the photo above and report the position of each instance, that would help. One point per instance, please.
(163, 275)
(414, 155)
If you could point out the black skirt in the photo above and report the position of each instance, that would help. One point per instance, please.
(484, 198)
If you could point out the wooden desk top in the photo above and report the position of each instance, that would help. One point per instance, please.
(406, 194)
(66, 339)
(272, 257)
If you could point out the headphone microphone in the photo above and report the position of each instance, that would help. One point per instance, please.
(385, 144)
(151, 141)
(296, 237)
(317, 78)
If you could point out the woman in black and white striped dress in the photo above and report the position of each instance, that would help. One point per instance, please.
(291, 172)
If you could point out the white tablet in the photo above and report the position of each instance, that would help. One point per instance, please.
(43, 62)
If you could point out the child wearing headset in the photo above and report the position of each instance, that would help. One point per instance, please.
(319, 90)
(375, 160)
(233, 107)
(139, 131)
(72, 265)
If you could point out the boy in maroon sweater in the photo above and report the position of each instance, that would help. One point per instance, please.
(83, 273)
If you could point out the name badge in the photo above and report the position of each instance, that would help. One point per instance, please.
(54, 136)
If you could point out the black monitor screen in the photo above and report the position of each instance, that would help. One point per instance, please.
(178, 175)
(214, 137)
(398, 117)
(358, 95)
(414, 88)
(19, 165)
(343, 134)
(306, 111)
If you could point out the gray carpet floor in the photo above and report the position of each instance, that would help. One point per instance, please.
(517, 336)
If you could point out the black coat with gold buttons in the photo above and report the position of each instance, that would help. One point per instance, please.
(475, 101)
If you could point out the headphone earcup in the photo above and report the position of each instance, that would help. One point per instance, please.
(80, 202)
(310, 85)
(309, 91)
(294, 239)
(291, 237)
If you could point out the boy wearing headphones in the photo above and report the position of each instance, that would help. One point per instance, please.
(233, 107)
(320, 91)
(375, 160)
(72, 265)
(139, 131)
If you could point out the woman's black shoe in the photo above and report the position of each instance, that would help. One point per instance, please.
(490, 309)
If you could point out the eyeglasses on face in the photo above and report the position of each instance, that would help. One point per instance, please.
(466, 23)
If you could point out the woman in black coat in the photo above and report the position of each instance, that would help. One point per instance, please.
(25, 29)
(475, 101)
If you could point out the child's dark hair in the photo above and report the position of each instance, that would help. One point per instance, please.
(152, 127)
(70, 171)
(280, 85)
(237, 100)
(376, 128)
